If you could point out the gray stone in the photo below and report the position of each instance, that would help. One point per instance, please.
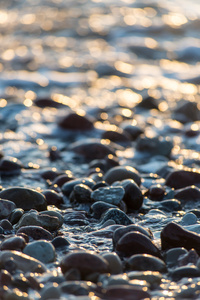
(111, 195)
(117, 215)
(6, 208)
(41, 250)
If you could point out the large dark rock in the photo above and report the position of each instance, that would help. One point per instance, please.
(181, 178)
(74, 121)
(120, 173)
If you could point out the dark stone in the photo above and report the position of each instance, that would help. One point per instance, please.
(85, 261)
(134, 131)
(13, 243)
(182, 178)
(154, 146)
(189, 258)
(5, 279)
(60, 242)
(99, 184)
(156, 192)
(185, 271)
(25, 198)
(133, 196)
(6, 225)
(82, 193)
(54, 154)
(170, 205)
(47, 102)
(68, 187)
(100, 207)
(125, 292)
(116, 215)
(61, 179)
(16, 215)
(74, 121)
(35, 232)
(189, 193)
(174, 235)
(148, 102)
(186, 111)
(50, 174)
(120, 173)
(117, 136)
(119, 232)
(10, 166)
(92, 149)
(52, 197)
(136, 243)
(146, 262)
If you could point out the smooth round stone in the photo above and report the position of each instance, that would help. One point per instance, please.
(47, 102)
(10, 166)
(189, 258)
(77, 288)
(25, 198)
(188, 193)
(156, 192)
(111, 195)
(172, 256)
(100, 207)
(23, 262)
(134, 131)
(119, 232)
(6, 225)
(117, 215)
(48, 222)
(68, 187)
(49, 174)
(118, 136)
(189, 219)
(120, 173)
(41, 250)
(50, 291)
(63, 178)
(152, 277)
(133, 196)
(170, 205)
(82, 193)
(182, 178)
(5, 278)
(74, 121)
(60, 242)
(92, 149)
(53, 213)
(6, 208)
(155, 145)
(125, 292)
(85, 261)
(136, 243)
(35, 232)
(146, 262)
(16, 294)
(16, 215)
(52, 197)
(174, 235)
(114, 263)
(185, 271)
(13, 243)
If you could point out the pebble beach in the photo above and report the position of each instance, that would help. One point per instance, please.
(99, 150)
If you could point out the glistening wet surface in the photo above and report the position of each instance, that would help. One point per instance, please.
(100, 150)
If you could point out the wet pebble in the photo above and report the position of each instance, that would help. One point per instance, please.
(76, 287)
(50, 291)
(188, 219)
(118, 136)
(85, 261)
(156, 192)
(174, 235)
(13, 243)
(60, 242)
(134, 131)
(100, 207)
(46, 221)
(10, 166)
(74, 121)
(6, 208)
(116, 215)
(111, 195)
(146, 262)
(23, 262)
(16, 215)
(185, 271)
(114, 263)
(133, 196)
(189, 258)
(82, 193)
(41, 250)
(172, 256)
(154, 146)
(152, 277)
(68, 187)
(61, 179)
(181, 178)
(170, 205)
(125, 292)
(52, 197)
(136, 243)
(186, 194)
(6, 225)
(35, 232)
(25, 198)
(120, 173)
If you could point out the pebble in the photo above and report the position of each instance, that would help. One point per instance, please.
(35, 232)
(155, 145)
(186, 194)
(25, 198)
(68, 187)
(82, 193)
(92, 149)
(6, 208)
(111, 195)
(61, 179)
(174, 235)
(119, 232)
(133, 196)
(120, 173)
(179, 179)
(10, 166)
(170, 205)
(41, 250)
(6, 225)
(188, 219)
(116, 215)
(13, 243)
(53, 213)
(134, 131)
(85, 261)
(46, 221)
(146, 262)
(152, 277)
(23, 262)
(156, 192)
(114, 263)
(172, 256)
(189, 258)
(100, 207)
(185, 271)
(118, 136)
(125, 292)
(60, 242)
(136, 243)
(75, 121)
(52, 197)
(50, 291)
(77, 288)
(15, 216)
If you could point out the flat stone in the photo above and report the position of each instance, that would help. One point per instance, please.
(6, 208)
(41, 250)
(111, 195)
(125, 292)
(25, 198)
(35, 232)
(185, 271)
(146, 262)
(23, 262)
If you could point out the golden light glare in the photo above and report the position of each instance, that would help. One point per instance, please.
(3, 17)
(150, 43)
(3, 102)
(124, 67)
(9, 54)
(28, 19)
(28, 102)
(174, 20)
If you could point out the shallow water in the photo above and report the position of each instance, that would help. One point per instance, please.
(101, 58)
